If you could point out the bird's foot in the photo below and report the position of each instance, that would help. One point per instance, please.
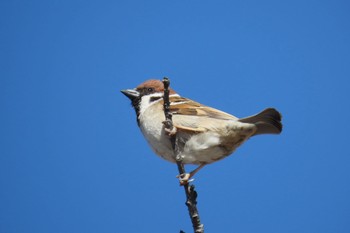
(170, 129)
(185, 178)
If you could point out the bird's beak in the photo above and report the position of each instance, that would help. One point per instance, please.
(131, 93)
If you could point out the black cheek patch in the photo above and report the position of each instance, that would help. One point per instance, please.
(155, 98)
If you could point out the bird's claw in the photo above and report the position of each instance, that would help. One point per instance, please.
(184, 178)
(169, 128)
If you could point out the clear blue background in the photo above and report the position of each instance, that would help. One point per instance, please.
(73, 160)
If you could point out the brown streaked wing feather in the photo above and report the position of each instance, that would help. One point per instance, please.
(190, 110)
(190, 129)
(183, 106)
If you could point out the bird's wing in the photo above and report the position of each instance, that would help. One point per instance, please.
(189, 115)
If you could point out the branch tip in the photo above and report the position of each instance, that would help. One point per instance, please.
(166, 83)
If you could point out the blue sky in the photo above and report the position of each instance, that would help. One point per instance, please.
(73, 160)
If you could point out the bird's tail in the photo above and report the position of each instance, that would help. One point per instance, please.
(267, 121)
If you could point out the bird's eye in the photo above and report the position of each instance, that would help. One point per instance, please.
(150, 89)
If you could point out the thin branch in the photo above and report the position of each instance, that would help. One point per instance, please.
(191, 194)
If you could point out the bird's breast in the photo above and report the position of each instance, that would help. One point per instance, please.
(152, 129)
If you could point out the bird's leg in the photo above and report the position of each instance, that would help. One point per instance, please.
(185, 178)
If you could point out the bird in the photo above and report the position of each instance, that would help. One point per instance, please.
(204, 134)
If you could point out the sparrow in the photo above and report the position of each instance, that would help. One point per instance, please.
(204, 134)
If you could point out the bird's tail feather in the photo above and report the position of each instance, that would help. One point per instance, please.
(267, 121)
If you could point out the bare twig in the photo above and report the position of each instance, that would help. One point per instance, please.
(191, 194)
